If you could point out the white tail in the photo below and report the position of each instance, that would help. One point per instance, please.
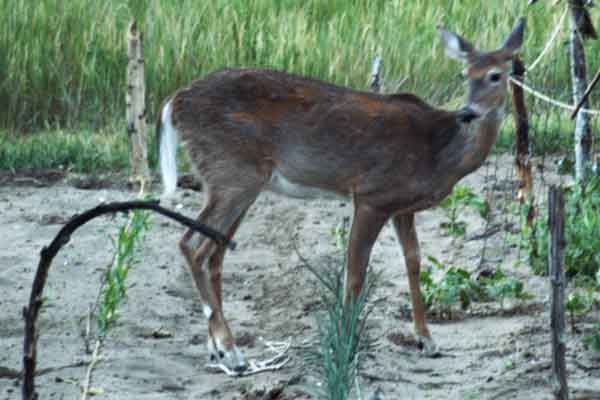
(168, 150)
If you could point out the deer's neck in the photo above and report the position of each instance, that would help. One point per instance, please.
(471, 146)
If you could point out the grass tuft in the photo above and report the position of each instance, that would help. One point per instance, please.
(343, 339)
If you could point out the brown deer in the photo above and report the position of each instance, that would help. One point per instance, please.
(248, 130)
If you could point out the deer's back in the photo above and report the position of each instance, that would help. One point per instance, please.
(312, 132)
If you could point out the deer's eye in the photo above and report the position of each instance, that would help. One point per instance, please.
(495, 77)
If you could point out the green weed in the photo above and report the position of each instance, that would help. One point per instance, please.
(455, 203)
(579, 303)
(510, 364)
(500, 287)
(593, 340)
(114, 288)
(457, 287)
(582, 234)
(340, 234)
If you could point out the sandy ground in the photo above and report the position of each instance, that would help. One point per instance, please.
(487, 353)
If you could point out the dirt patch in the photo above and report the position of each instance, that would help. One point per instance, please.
(32, 177)
(403, 340)
(487, 353)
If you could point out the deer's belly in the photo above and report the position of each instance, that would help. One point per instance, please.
(282, 185)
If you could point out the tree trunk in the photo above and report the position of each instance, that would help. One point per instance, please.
(583, 130)
(556, 259)
(139, 172)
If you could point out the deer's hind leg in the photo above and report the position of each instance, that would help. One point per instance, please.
(223, 210)
(407, 235)
(215, 262)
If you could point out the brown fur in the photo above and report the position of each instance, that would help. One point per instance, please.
(299, 125)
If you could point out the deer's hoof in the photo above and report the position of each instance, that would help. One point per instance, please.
(231, 358)
(428, 346)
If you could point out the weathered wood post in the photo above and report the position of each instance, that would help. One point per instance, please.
(520, 116)
(556, 259)
(581, 28)
(139, 172)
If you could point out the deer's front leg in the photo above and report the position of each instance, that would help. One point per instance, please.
(407, 235)
(366, 225)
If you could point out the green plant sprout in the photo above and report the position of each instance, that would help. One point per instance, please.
(455, 287)
(500, 287)
(114, 288)
(461, 198)
(579, 303)
(593, 340)
(340, 234)
(458, 287)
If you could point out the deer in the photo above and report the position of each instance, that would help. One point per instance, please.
(251, 130)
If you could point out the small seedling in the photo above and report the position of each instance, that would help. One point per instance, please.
(500, 287)
(461, 198)
(582, 300)
(510, 364)
(341, 233)
(593, 340)
(457, 287)
(566, 165)
(578, 303)
(114, 288)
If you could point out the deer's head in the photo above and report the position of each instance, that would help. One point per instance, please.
(486, 72)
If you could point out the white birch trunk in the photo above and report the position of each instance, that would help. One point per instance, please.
(583, 130)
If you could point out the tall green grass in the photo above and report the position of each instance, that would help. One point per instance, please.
(62, 63)
(82, 152)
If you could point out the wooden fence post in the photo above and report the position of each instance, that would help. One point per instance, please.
(556, 259)
(139, 172)
(523, 157)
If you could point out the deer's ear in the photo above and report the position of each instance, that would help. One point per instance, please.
(515, 39)
(455, 46)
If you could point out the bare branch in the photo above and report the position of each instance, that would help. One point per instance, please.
(586, 95)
